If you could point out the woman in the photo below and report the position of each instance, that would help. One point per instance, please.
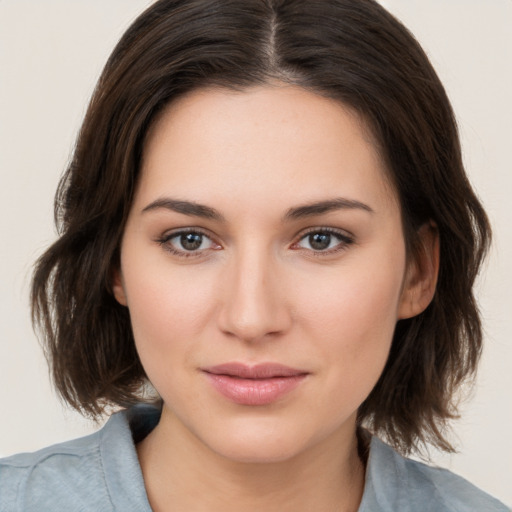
(267, 234)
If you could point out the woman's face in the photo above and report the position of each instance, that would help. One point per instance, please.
(264, 268)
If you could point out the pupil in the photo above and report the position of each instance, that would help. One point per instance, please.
(191, 241)
(320, 241)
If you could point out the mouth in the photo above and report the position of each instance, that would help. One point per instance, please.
(261, 384)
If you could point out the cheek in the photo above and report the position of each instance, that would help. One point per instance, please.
(167, 314)
(168, 309)
(354, 329)
(352, 314)
(352, 301)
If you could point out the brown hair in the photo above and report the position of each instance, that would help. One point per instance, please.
(350, 50)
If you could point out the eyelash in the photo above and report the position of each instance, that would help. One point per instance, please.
(165, 239)
(344, 241)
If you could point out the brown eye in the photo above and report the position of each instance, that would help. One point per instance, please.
(319, 241)
(324, 240)
(187, 243)
(191, 241)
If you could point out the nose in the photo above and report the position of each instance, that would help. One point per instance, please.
(254, 305)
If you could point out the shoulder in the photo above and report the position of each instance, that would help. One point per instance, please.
(398, 483)
(90, 473)
(62, 475)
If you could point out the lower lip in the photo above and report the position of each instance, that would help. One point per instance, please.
(254, 391)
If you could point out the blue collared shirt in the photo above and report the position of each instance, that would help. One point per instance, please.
(101, 473)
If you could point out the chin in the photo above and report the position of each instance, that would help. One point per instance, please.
(259, 444)
(259, 452)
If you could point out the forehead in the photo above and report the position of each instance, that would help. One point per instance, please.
(281, 142)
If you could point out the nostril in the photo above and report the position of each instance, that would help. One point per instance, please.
(253, 329)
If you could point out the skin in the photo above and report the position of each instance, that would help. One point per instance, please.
(256, 290)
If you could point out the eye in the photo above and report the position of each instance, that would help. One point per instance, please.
(324, 240)
(187, 243)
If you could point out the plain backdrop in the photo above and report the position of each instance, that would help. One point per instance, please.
(51, 53)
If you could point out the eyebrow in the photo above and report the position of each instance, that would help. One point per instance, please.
(207, 212)
(327, 206)
(186, 208)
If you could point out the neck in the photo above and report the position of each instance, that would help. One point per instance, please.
(183, 474)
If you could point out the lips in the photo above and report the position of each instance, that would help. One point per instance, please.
(262, 384)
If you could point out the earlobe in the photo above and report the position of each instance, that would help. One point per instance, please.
(118, 286)
(421, 275)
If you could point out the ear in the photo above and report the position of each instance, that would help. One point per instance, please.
(117, 286)
(421, 274)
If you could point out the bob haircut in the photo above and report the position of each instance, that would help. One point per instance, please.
(352, 51)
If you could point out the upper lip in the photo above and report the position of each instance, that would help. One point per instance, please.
(258, 371)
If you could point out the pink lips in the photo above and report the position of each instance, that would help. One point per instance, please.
(254, 385)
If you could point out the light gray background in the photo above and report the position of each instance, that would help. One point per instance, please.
(51, 53)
